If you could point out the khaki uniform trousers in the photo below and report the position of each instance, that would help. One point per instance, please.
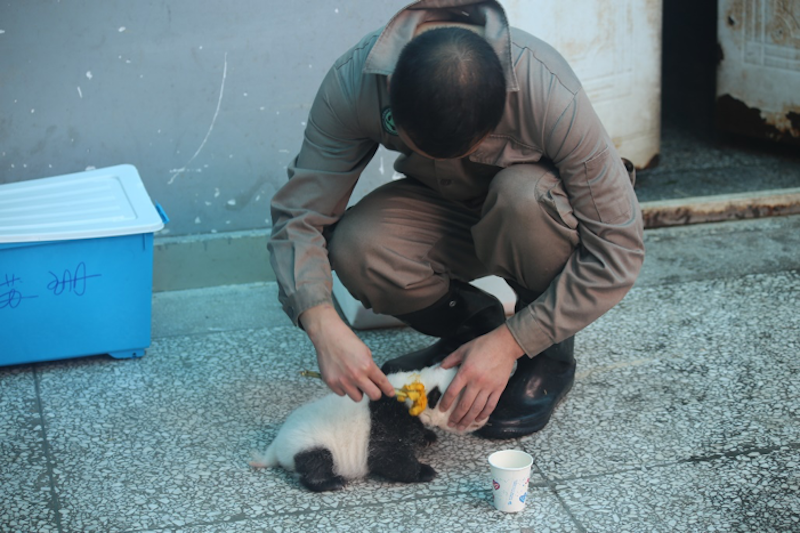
(397, 249)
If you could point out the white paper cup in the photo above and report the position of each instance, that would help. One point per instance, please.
(511, 470)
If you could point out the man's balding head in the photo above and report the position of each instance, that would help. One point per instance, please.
(447, 91)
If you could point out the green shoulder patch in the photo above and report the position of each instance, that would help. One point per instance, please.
(387, 119)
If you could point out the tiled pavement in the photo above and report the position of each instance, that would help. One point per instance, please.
(685, 416)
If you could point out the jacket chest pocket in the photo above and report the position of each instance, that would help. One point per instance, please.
(609, 186)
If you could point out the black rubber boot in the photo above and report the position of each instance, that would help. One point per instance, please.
(535, 389)
(464, 313)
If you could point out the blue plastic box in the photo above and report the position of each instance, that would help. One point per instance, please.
(76, 266)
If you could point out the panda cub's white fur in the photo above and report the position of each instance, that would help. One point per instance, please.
(344, 427)
(334, 422)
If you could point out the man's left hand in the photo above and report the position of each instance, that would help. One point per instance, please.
(486, 364)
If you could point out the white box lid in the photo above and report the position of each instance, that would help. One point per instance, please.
(106, 202)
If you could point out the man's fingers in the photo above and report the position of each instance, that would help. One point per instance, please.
(474, 410)
(334, 385)
(380, 379)
(454, 359)
(353, 392)
(452, 392)
(491, 404)
(464, 404)
(371, 390)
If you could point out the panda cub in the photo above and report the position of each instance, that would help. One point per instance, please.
(334, 439)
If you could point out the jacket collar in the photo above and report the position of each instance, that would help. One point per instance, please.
(400, 30)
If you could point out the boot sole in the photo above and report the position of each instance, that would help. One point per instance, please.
(503, 431)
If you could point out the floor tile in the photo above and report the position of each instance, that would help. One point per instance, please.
(213, 309)
(741, 494)
(684, 417)
(165, 440)
(686, 375)
(25, 489)
(446, 514)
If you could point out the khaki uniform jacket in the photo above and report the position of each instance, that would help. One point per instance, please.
(547, 117)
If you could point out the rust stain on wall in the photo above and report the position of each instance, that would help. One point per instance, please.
(736, 116)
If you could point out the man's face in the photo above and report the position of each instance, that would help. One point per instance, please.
(408, 142)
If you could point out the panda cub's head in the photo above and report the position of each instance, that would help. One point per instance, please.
(436, 380)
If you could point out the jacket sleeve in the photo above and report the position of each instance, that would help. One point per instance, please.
(607, 261)
(321, 180)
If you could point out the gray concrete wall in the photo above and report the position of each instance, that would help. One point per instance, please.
(207, 99)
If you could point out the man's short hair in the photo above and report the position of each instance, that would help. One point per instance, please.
(447, 91)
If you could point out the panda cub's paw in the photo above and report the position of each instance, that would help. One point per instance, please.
(429, 437)
(315, 468)
(426, 473)
(323, 484)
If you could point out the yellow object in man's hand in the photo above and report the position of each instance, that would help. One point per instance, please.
(416, 393)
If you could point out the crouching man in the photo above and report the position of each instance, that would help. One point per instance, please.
(508, 171)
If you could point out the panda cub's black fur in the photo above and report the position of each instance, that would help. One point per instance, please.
(333, 439)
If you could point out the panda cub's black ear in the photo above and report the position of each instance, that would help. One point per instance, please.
(433, 397)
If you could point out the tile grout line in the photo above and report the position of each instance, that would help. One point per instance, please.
(325, 508)
(689, 460)
(221, 330)
(552, 486)
(548, 483)
(55, 504)
(763, 450)
(551, 483)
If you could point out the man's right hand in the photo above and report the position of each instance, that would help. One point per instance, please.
(345, 362)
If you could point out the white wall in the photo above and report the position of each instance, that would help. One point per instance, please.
(615, 49)
(209, 99)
